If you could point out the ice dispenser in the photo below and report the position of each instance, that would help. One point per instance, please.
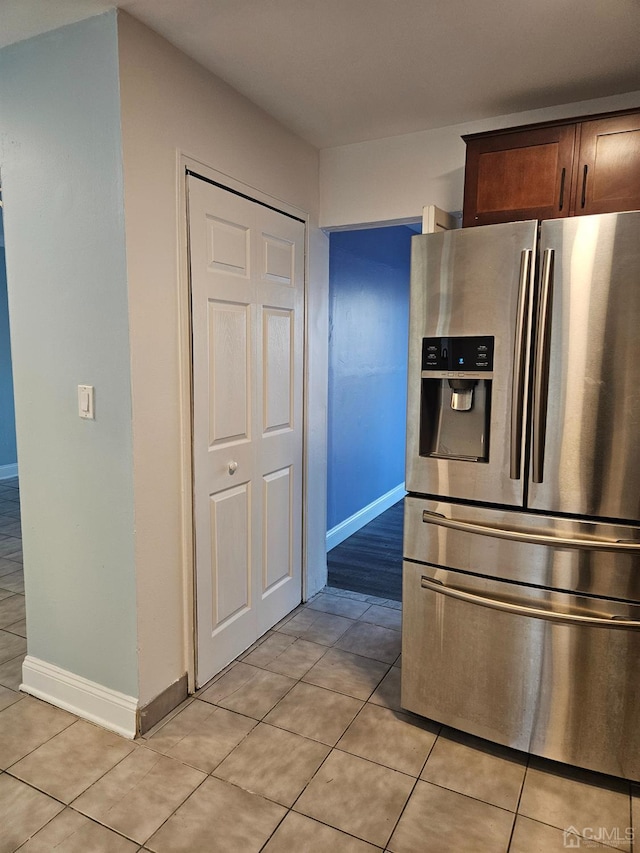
(456, 397)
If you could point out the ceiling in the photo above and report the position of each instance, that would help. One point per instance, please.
(343, 71)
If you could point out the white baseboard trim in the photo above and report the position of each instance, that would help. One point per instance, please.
(352, 524)
(108, 708)
(8, 471)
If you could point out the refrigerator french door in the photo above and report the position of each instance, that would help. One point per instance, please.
(585, 449)
(522, 535)
(469, 288)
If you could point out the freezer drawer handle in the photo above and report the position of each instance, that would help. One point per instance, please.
(530, 538)
(519, 365)
(522, 610)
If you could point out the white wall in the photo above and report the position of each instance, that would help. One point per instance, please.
(61, 168)
(391, 179)
(170, 105)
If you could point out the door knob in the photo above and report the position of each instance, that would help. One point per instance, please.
(233, 467)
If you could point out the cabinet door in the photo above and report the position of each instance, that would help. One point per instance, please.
(525, 174)
(607, 177)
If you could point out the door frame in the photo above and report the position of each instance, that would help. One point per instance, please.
(184, 162)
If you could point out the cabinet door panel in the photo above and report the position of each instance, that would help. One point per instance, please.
(519, 175)
(608, 173)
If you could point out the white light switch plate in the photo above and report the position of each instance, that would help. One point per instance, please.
(85, 402)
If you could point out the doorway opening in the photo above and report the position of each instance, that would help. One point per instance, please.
(368, 342)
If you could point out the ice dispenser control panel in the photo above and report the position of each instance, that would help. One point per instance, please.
(458, 354)
(455, 408)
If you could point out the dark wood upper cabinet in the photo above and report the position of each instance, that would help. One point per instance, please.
(608, 175)
(554, 169)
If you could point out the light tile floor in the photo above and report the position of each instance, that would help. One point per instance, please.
(300, 746)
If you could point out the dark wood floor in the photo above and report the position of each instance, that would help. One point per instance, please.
(370, 561)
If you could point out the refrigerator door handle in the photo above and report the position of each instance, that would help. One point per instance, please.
(519, 365)
(524, 610)
(541, 369)
(529, 538)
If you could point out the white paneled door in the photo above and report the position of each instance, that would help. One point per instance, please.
(247, 296)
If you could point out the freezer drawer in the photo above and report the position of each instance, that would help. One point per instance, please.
(586, 556)
(548, 673)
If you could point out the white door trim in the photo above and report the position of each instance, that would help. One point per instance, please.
(183, 162)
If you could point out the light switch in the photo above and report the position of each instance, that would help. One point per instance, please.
(85, 402)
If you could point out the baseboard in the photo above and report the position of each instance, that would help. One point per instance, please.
(352, 524)
(8, 471)
(108, 708)
(158, 708)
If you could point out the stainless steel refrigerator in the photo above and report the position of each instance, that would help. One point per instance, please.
(521, 572)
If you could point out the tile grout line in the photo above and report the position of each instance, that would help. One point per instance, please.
(544, 823)
(70, 804)
(22, 695)
(198, 786)
(388, 665)
(31, 751)
(65, 806)
(79, 719)
(95, 781)
(326, 758)
(98, 821)
(413, 787)
(517, 810)
(290, 808)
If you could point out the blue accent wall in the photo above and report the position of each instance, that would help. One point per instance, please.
(8, 453)
(368, 343)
